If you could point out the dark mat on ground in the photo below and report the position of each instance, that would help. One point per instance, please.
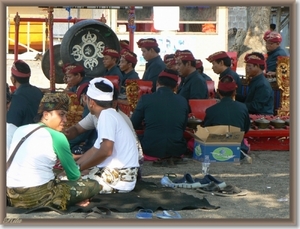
(146, 195)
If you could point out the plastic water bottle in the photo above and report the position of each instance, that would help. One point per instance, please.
(205, 165)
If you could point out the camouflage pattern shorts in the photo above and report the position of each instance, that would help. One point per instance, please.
(57, 194)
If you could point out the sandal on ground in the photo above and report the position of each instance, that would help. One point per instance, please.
(170, 214)
(212, 187)
(99, 212)
(229, 190)
(187, 181)
(144, 214)
(220, 183)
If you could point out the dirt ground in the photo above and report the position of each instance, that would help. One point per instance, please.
(267, 181)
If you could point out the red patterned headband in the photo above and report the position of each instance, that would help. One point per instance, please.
(168, 75)
(253, 59)
(73, 69)
(184, 55)
(199, 64)
(111, 52)
(15, 71)
(227, 86)
(129, 57)
(169, 59)
(273, 37)
(147, 43)
(216, 56)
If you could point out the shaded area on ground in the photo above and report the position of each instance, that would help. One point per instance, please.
(146, 195)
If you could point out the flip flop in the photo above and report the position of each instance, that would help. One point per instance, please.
(231, 190)
(144, 214)
(228, 191)
(212, 187)
(168, 214)
(99, 212)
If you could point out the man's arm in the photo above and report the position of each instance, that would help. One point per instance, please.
(138, 115)
(260, 98)
(74, 131)
(95, 156)
(15, 114)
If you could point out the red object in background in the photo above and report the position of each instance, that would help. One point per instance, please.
(115, 80)
(211, 88)
(198, 106)
(125, 107)
(208, 28)
(263, 143)
(12, 89)
(234, 60)
(270, 138)
(145, 86)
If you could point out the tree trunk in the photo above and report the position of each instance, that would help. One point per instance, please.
(258, 22)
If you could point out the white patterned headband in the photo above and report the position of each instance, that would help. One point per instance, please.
(95, 93)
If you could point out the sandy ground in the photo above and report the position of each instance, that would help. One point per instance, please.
(266, 179)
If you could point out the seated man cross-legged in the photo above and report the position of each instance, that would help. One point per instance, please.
(90, 122)
(115, 152)
(228, 111)
(260, 96)
(30, 178)
(165, 116)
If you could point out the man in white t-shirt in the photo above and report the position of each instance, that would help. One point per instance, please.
(90, 122)
(114, 153)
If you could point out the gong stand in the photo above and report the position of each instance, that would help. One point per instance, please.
(16, 45)
(49, 31)
(49, 34)
(51, 52)
(49, 22)
(131, 26)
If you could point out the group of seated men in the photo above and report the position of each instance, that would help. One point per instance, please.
(113, 153)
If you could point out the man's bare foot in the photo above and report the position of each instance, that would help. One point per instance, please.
(83, 203)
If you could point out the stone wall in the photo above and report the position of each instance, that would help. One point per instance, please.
(237, 23)
(237, 17)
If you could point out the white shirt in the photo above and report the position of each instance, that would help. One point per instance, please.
(112, 126)
(90, 122)
(33, 163)
(10, 130)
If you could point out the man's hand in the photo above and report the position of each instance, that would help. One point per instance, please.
(73, 131)
(271, 74)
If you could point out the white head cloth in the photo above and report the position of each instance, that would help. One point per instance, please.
(96, 93)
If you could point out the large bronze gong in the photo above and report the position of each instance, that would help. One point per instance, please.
(59, 75)
(84, 42)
